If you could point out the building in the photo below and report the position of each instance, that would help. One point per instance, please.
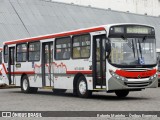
(145, 7)
(28, 18)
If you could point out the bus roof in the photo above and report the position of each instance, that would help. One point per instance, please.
(64, 34)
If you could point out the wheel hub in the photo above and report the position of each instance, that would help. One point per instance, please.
(25, 84)
(82, 87)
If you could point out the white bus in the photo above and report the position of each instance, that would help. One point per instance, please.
(1, 78)
(114, 58)
(158, 57)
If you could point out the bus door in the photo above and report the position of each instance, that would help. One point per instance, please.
(99, 61)
(47, 59)
(11, 66)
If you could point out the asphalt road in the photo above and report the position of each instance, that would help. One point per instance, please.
(44, 100)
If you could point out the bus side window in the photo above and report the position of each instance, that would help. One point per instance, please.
(34, 51)
(76, 52)
(81, 46)
(63, 48)
(5, 53)
(85, 51)
(66, 54)
(21, 52)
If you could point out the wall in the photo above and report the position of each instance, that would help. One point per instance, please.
(151, 7)
(28, 18)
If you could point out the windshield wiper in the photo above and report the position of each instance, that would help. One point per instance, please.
(133, 48)
(137, 50)
(140, 48)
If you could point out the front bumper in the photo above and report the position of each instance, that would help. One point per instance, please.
(115, 84)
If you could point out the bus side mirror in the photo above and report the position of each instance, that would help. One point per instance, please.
(108, 47)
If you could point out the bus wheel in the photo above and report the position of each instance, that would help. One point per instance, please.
(25, 87)
(121, 93)
(82, 88)
(59, 91)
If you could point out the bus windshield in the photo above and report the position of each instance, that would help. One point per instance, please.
(133, 51)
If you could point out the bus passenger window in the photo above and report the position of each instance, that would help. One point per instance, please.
(81, 46)
(63, 48)
(21, 54)
(5, 54)
(76, 52)
(34, 51)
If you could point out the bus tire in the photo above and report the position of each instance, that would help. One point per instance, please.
(82, 88)
(25, 87)
(59, 91)
(121, 93)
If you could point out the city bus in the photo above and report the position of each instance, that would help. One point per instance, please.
(1, 78)
(115, 58)
(158, 57)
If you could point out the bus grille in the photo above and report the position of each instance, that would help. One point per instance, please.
(138, 84)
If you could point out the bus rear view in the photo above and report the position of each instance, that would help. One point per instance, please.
(131, 61)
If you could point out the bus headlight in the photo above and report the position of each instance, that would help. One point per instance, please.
(117, 76)
(154, 76)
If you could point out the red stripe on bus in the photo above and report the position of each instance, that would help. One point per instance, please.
(135, 74)
(55, 35)
(22, 72)
(75, 72)
(1, 49)
(5, 70)
(17, 72)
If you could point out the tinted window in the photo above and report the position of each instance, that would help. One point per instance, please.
(5, 54)
(63, 48)
(81, 46)
(34, 51)
(21, 54)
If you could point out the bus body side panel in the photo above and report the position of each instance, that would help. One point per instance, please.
(28, 68)
(5, 74)
(1, 76)
(65, 72)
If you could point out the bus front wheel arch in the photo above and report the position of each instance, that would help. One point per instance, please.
(25, 85)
